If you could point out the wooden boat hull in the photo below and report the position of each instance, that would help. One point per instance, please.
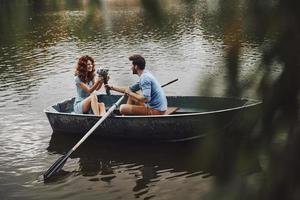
(196, 117)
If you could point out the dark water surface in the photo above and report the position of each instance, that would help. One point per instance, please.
(40, 42)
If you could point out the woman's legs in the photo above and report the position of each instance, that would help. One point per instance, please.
(101, 107)
(91, 101)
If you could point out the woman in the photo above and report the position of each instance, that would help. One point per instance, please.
(86, 84)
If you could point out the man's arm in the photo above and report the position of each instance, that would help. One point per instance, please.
(136, 96)
(128, 92)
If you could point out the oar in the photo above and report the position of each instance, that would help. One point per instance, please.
(58, 165)
(169, 82)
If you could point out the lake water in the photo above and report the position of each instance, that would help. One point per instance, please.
(40, 42)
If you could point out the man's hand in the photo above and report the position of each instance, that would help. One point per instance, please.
(127, 91)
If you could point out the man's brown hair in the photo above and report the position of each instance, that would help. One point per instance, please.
(138, 60)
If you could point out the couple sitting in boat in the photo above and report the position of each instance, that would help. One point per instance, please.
(151, 101)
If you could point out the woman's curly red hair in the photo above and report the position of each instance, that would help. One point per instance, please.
(81, 69)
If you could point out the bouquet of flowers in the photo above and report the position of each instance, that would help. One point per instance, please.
(103, 74)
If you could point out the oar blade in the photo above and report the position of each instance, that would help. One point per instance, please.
(56, 167)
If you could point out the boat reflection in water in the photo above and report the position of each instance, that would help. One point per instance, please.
(145, 165)
(98, 156)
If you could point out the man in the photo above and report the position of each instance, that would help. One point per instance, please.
(151, 101)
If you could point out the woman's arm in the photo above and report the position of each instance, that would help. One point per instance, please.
(100, 84)
(97, 83)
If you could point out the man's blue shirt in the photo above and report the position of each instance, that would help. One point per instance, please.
(151, 90)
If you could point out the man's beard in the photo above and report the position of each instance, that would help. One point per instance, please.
(134, 71)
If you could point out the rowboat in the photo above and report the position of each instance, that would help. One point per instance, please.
(195, 117)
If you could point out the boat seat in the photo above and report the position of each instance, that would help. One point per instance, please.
(171, 110)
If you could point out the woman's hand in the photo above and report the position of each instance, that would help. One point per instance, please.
(98, 82)
(98, 79)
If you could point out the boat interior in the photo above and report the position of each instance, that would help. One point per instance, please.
(176, 104)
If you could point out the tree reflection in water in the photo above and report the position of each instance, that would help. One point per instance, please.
(276, 29)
